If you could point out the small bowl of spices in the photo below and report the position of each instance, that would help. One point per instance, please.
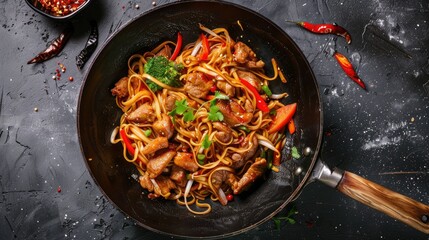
(58, 9)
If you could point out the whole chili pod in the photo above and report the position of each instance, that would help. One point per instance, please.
(90, 46)
(348, 69)
(327, 28)
(54, 47)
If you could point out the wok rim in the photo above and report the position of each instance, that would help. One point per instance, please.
(315, 151)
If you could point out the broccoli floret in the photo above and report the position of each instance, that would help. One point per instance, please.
(164, 70)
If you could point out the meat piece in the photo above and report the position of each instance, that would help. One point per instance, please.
(186, 161)
(239, 159)
(146, 183)
(244, 55)
(249, 106)
(155, 145)
(197, 85)
(165, 51)
(143, 114)
(170, 103)
(256, 170)
(234, 114)
(165, 185)
(223, 176)
(225, 87)
(178, 175)
(121, 88)
(224, 133)
(164, 127)
(251, 78)
(156, 165)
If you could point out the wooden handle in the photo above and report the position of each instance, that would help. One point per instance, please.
(398, 206)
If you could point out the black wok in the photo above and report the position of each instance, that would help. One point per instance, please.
(98, 115)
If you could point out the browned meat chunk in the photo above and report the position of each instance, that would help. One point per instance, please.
(197, 85)
(155, 145)
(165, 185)
(220, 177)
(164, 127)
(234, 114)
(156, 165)
(245, 55)
(239, 159)
(255, 171)
(251, 78)
(225, 87)
(178, 175)
(186, 161)
(121, 88)
(165, 51)
(170, 103)
(146, 183)
(143, 114)
(224, 133)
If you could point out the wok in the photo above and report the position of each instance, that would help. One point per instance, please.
(98, 115)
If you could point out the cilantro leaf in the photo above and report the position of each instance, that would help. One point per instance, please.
(214, 114)
(220, 96)
(295, 153)
(206, 142)
(181, 106)
(188, 116)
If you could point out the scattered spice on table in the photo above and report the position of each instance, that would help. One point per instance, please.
(348, 69)
(60, 7)
(327, 28)
(90, 46)
(55, 47)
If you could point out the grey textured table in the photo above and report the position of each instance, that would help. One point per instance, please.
(382, 134)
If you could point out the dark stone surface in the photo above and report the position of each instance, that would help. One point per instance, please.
(47, 193)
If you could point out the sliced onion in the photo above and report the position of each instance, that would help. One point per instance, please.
(155, 184)
(279, 96)
(188, 187)
(208, 31)
(222, 197)
(196, 48)
(113, 135)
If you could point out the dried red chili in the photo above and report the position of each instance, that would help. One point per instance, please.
(60, 7)
(54, 47)
(327, 28)
(348, 69)
(90, 46)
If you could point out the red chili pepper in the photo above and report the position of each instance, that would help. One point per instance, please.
(206, 47)
(327, 28)
(55, 47)
(178, 47)
(348, 69)
(260, 103)
(213, 88)
(127, 142)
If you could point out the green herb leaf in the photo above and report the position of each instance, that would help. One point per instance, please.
(277, 222)
(181, 106)
(244, 128)
(295, 153)
(164, 70)
(214, 114)
(220, 96)
(206, 142)
(188, 116)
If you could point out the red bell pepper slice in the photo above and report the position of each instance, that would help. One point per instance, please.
(283, 117)
(260, 103)
(291, 127)
(127, 142)
(178, 47)
(206, 47)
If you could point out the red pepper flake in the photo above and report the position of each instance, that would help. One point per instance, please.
(59, 189)
(60, 7)
(348, 69)
(71, 79)
(230, 197)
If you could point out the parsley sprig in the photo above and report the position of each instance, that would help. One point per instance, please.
(289, 218)
(182, 108)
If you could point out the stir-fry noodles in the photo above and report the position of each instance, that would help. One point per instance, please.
(199, 119)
